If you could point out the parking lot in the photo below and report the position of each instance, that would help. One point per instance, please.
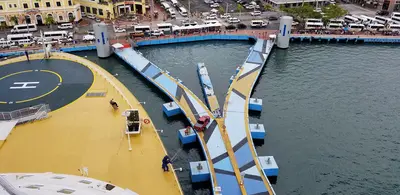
(358, 10)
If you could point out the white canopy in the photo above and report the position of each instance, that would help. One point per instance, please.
(117, 45)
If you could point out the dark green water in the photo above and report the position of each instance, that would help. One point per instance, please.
(331, 111)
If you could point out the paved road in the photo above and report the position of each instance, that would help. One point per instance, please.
(81, 30)
(358, 10)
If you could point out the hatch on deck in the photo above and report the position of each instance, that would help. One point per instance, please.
(132, 121)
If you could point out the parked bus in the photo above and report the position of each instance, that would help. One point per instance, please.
(383, 20)
(21, 39)
(55, 34)
(375, 27)
(165, 27)
(21, 28)
(182, 11)
(336, 21)
(313, 20)
(171, 13)
(369, 19)
(396, 14)
(174, 2)
(351, 19)
(17, 37)
(165, 5)
(356, 27)
(394, 27)
(143, 29)
(334, 26)
(395, 19)
(314, 25)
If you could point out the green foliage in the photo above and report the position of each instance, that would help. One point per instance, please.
(268, 7)
(49, 20)
(72, 19)
(14, 19)
(239, 8)
(302, 12)
(334, 11)
(221, 9)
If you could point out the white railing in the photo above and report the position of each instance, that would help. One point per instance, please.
(9, 188)
(32, 113)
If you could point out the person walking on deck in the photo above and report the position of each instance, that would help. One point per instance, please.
(27, 55)
(165, 162)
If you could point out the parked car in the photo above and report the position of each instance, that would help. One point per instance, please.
(156, 33)
(97, 20)
(214, 5)
(382, 13)
(89, 38)
(64, 40)
(119, 30)
(272, 18)
(90, 32)
(70, 35)
(233, 20)
(91, 16)
(255, 13)
(211, 17)
(83, 14)
(250, 7)
(202, 123)
(225, 16)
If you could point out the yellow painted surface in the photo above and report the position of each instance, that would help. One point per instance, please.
(243, 86)
(89, 133)
(213, 102)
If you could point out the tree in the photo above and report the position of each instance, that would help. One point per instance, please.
(221, 10)
(333, 11)
(72, 19)
(49, 20)
(268, 7)
(239, 8)
(14, 19)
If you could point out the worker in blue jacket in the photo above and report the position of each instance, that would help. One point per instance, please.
(165, 162)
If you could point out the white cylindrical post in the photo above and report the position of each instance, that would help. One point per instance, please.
(102, 43)
(285, 27)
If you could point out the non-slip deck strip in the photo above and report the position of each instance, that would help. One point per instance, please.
(236, 119)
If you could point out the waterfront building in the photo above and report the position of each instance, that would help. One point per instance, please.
(13, 12)
(111, 9)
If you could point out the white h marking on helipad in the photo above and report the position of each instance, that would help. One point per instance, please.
(24, 85)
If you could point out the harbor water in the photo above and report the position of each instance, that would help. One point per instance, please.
(331, 111)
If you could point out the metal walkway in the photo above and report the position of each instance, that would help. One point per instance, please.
(223, 167)
(237, 123)
(208, 90)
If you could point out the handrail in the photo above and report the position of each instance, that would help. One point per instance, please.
(11, 189)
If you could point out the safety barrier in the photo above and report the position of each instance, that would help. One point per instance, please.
(32, 113)
(194, 38)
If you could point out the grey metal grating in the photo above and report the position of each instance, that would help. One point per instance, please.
(96, 94)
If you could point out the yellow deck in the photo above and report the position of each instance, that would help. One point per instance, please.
(213, 102)
(89, 133)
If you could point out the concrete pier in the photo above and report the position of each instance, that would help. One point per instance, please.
(255, 104)
(187, 135)
(171, 109)
(199, 171)
(257, 131)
